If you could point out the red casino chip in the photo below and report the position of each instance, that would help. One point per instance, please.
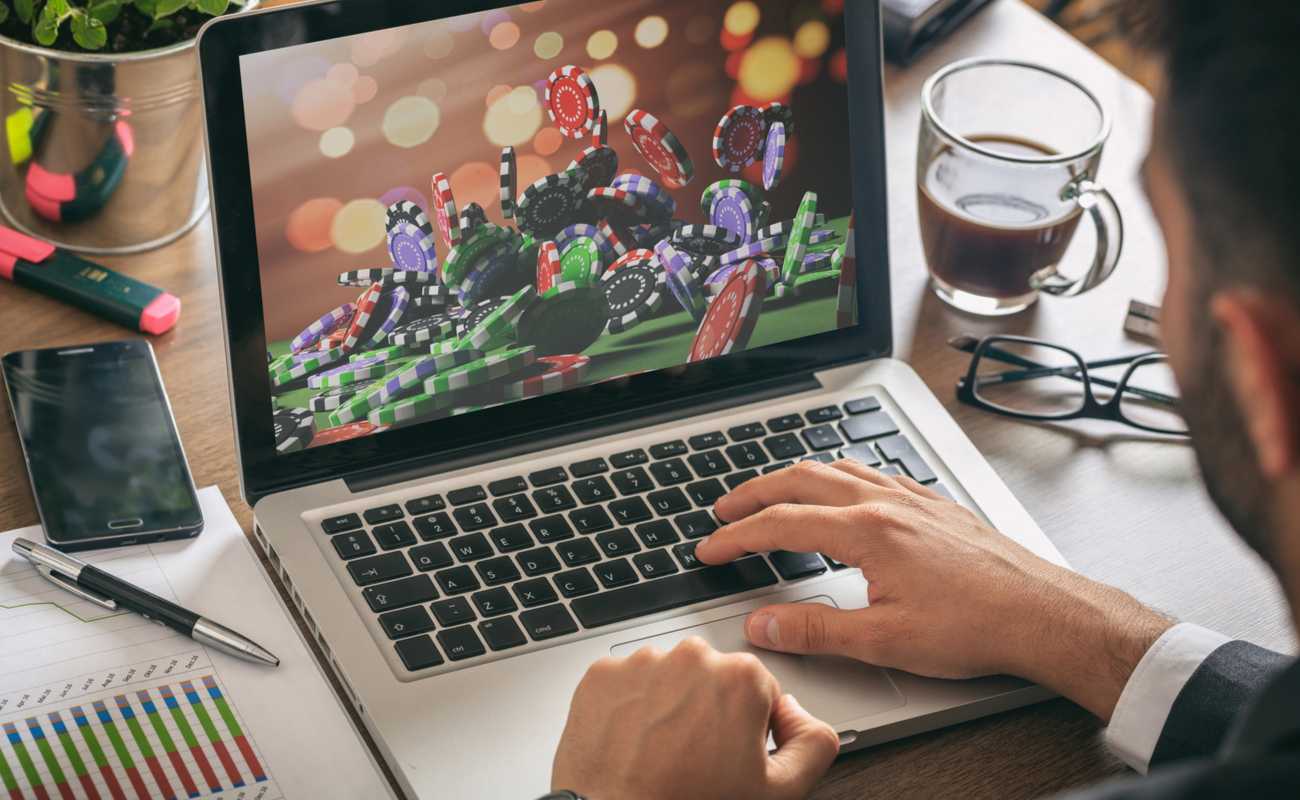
(444, 209)
(734, 313)
(553, 374)
(365, 308)
(343, 433)
(846, 304)
(634, 257)
(600, 132)
(661, 147)
(738, 140)
(572, 102)
(548, 266)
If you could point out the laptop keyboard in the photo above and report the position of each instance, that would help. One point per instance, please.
(484, 569)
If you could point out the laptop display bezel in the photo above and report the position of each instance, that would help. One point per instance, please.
(264, 471)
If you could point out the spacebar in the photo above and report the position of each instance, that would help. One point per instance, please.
(674, 591)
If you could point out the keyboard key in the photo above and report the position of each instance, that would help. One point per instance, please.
(471, 547)
(705, 493)
(497, 570)
(796, 565)
(657, 533)
(418, 653)
(577, 552)
(824, 414)
(501, 634)
(899, 449)
(554, 528)
(554, 498)
(783, 446)
(821, 458)
(460, 643)
(892, 470)
(685, 553)
(430, 556)
(475, 517)
(434, 526)
(452, 611)
(534, 593)
(696, 524)
(546, 477)
(425, 505)
(457, 580)
(590, 520)
(399, 593)
(548, 622)
(708, 463)
(492, 602)
(632, 481)
(669, 501)
(353, 545)
(871, 425)
(735, 479)
(469, 494)
(862, 405)
(780, 465)
(617, 543)
(514, 508)
(508, 486)
(394, 535)
(746, 455)
(509, 538)
(655, 564)
(339, 524)
(406, 622)
(366, 571)
(628, 458)
(673, 591)
(789, 422)
(707, 441)
(613, 574)
(593, 490)
(670, 472)
(863, 453)
(378, 516)
(630, 510)
(575, 582)
(668, 449)
(822, 437)
(592, 466)
(742, 432)
(538, 561)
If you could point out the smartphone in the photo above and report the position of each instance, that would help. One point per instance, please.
(101, 446)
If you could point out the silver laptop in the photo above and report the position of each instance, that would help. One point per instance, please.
(479, 470)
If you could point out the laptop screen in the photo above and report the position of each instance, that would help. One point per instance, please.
(485, 209)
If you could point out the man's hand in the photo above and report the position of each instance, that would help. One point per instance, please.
(689, 723)
(948, 596)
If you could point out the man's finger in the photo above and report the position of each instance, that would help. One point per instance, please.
(869, 474)
(806, 483)
(805, 748)
(812, 629)
(803, 529)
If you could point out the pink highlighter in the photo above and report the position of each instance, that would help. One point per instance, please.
(42, 266)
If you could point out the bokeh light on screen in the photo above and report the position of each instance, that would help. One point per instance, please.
(514, 118)
(404, 194)
(812, 39)
(839, 66)
(651, 31)
(296, 74)
(602, 45)
(439, 44)
(308, 227)
(699, 30)
(322, 104)
(343, 74)
(693, 92)
(741, 19)
(531, 7)
(496, 93)
(504, 35)
(477, 182)
(365, 89)
(548, 45)
(359, 226)
(533, 168)
(548, 141)
(337, 142)
(371, 48)
(490, 19)
(769, 69)
(832, 6)
(411, 121)
(433, 88)
(616, 87)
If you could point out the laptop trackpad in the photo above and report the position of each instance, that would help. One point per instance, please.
(833, 689)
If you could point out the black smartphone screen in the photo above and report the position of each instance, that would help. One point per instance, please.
(105, 460)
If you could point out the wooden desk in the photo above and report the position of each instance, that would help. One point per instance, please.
(1123, 509)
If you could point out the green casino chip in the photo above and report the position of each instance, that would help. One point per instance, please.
(804, 222)
(497, 329)
(580, 262)
(489, 368)
(465, 255)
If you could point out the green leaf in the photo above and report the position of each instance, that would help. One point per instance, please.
(213, 8)
(24, 10)
(58, 8)
(165, 8)
(46, 30)
(146, 7)
(106, 11)
(88, 32)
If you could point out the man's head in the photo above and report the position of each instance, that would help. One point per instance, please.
(1223, 177)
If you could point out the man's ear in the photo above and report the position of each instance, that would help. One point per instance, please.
(1262, 335)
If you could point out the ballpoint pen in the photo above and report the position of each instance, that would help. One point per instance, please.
(106, 591)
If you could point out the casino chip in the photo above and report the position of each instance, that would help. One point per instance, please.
(610, 243)
(804, 222)
(705, 240)
(660, 147)
(600, 131)
(599, 164)
(471, 217)
(817, 284)
(410, 238)
(758, 247)
(410, 279)
(581, 261)
(846, 305)
(390, 353)
(631, 259)
(733, 211)
(548, 266)
(327, 324)
(398, 299)
(550, 374)
(774, 156)
(343, 433)
(497, 329)
(572, 101)
(408, 379)
(778, 112)
(683, 283)
(568, 318)
(784, 228)
(365, 278)
(754, 193)
(366, 304)
(420, 331)
(623, 207)
(352, 372)
(335, 396)
(464, 256)
(294, 429)
(634, 295)
(444, 209)
(739, 138)
(730, 320)
(816, 262)
(306, 366)
(650, 193)
(509, 181)
(496, 273)
(551, 203)
(491, 367)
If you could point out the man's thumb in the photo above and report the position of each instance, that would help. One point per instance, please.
(805, 747)
(807, 628)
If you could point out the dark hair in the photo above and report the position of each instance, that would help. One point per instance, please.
(1232, 127)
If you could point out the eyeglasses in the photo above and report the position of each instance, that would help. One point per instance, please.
(1054, 383)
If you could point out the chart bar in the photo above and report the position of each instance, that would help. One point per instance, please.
(119, 747)
(232, 724)
(168, 745)
(191, 741)
(205, 721)
(8, 778)
(97, 753)
(25, 761)
(74, 756)
(51, 761)
(146, 749)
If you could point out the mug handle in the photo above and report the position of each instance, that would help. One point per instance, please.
(1093, 198)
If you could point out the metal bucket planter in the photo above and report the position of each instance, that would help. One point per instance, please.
(103, 152)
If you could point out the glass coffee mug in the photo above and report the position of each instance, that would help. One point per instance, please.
(1006, 168)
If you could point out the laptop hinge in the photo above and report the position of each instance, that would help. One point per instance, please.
(582, 431)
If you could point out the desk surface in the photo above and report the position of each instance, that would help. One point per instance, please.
(1123, 509)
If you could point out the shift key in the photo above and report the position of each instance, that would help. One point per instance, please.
(674, 591)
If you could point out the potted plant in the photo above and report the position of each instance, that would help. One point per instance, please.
(102, 120)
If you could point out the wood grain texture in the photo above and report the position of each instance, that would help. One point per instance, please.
(1125, 509)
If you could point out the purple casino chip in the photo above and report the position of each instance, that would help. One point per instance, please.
(360, 370)
(770, 244)
(581, 230)
(733, 211)
(772, 269)
(821, 236)
(672, 258)
(774, 156)
(411, 248)
(396, 310)
(721, 275)
(816, 262)
(649, 191)
(327, 324)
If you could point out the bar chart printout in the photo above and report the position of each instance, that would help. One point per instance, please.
(174, 740)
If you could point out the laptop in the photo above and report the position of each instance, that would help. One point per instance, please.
(465, 534)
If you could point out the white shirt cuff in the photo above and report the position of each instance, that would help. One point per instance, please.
(1149, 695)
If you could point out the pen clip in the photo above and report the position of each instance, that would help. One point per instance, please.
(68, 585)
